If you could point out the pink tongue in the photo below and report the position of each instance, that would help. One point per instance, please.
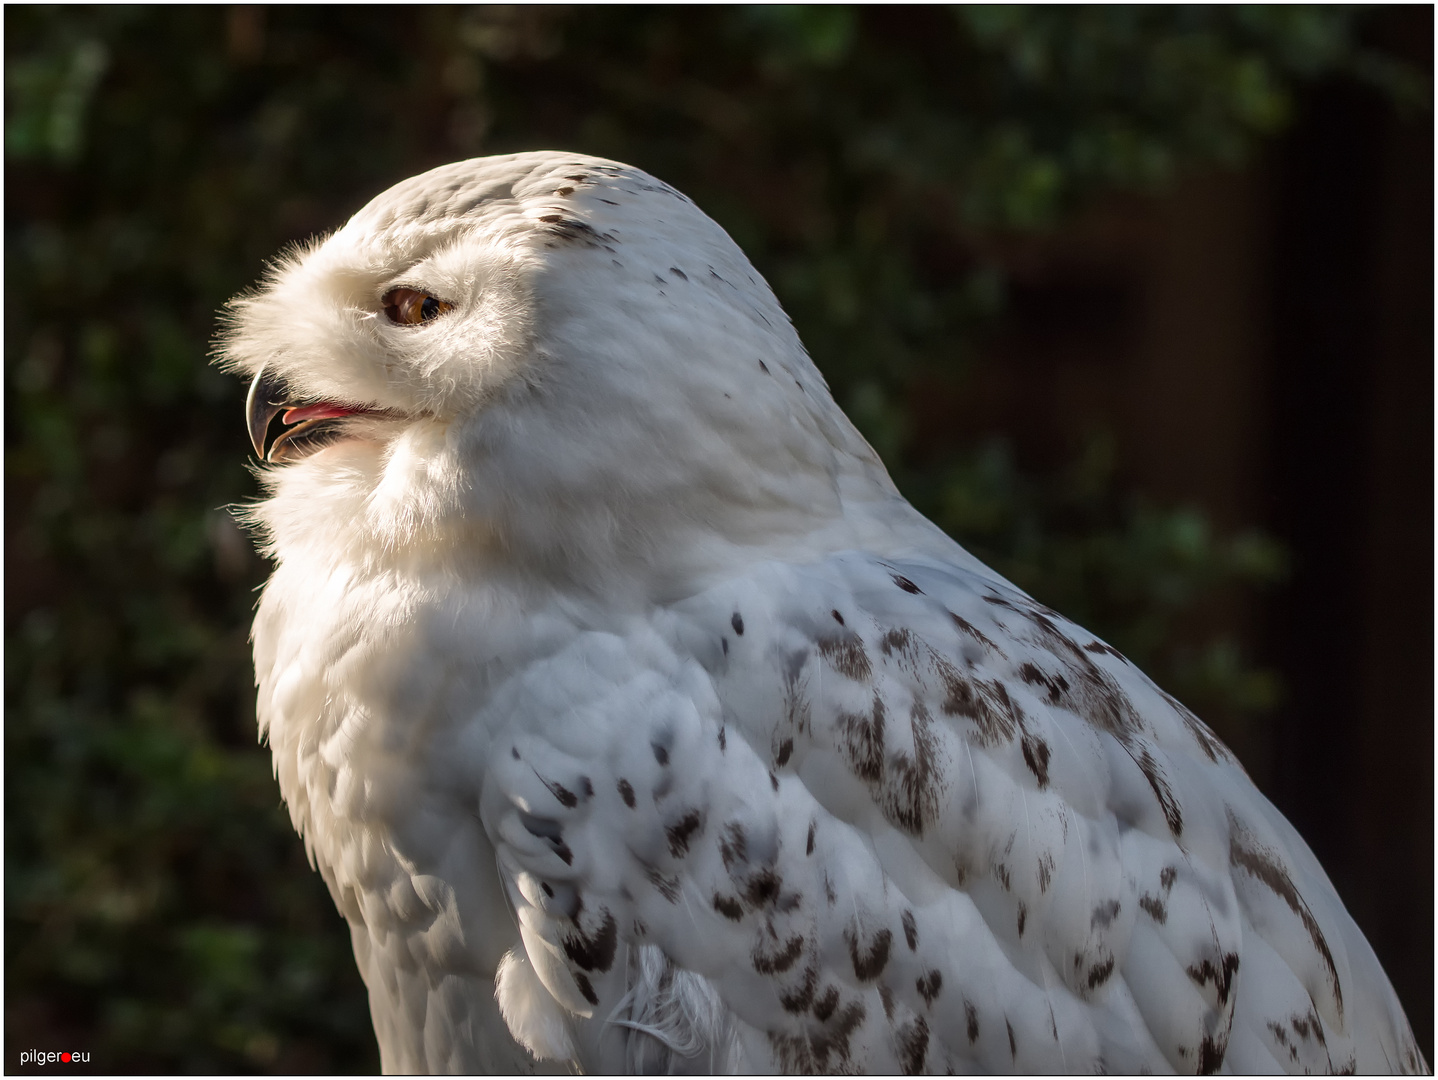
(323, 411)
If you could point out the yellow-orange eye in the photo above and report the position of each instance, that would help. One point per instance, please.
(409, 307)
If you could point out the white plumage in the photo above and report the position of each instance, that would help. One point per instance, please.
(636, 722)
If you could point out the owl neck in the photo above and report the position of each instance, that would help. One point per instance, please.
(473, 505)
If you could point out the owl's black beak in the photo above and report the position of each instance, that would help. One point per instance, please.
(308, 426)
(268, 397)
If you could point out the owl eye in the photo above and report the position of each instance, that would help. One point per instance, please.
(409, 307)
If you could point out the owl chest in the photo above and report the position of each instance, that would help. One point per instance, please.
(374, 705)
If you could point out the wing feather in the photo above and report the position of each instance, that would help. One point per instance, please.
(898, 816)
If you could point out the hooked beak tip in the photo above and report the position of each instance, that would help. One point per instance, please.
(265, 401)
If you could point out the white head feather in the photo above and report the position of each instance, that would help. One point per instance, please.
(616, 393)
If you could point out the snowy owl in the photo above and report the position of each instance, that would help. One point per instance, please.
(636, 722)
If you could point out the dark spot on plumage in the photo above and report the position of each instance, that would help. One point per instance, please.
(1036, 757)
(681, 832)
(913, 1045)
(680, 274)
(639, 928)
(1087, 690)
(773, 781)
(762, 888)
(626, 792)
(898, 639)
(1099, 973)
(668, 886)
(1023, 917)
(1053, 1023)
(845, 654)
(1166, 877)
(733, 845)
(574, 231)
(1202, 734)
(514, 752)
(728, 907)
(999, 601)
(911, 929)
(737, 622)
(1104, 914)
(826, 1004)
(798, 999)
(1156, 908)
(971, 1021)
(1309, 1027)
(549, 830)
(1350, 1067)
(1056, 685)
(1013, 1046)
(1153, 773)
(548, 889)
(585, 988)
(905, 584)
(564, 191)
(909, 789)
(764, 367)
(809, 843)
(1210, 1054)
(849, 1019)
(1099, 647)
(1002, 873)
(1221, 975)
(722, 741)
(786, 748)
(871, 957)
(987, 703)
(661, 754)
(1046, 871)
(789, 902)
(566, 798)
(824, 1051)
(580, 178)
(829, 893)
(929, 984)
(778, 962)
(968, 628)
(593, 951)
(864, 742)
(609, 202)
(1280, 1036)
(886, 998)
(724, 644)
(799, 385)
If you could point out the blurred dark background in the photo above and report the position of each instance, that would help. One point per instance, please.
(1136, 302)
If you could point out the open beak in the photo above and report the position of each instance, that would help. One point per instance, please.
(266, 400)
(269, 396)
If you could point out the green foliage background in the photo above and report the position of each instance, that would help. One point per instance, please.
(158, 907)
